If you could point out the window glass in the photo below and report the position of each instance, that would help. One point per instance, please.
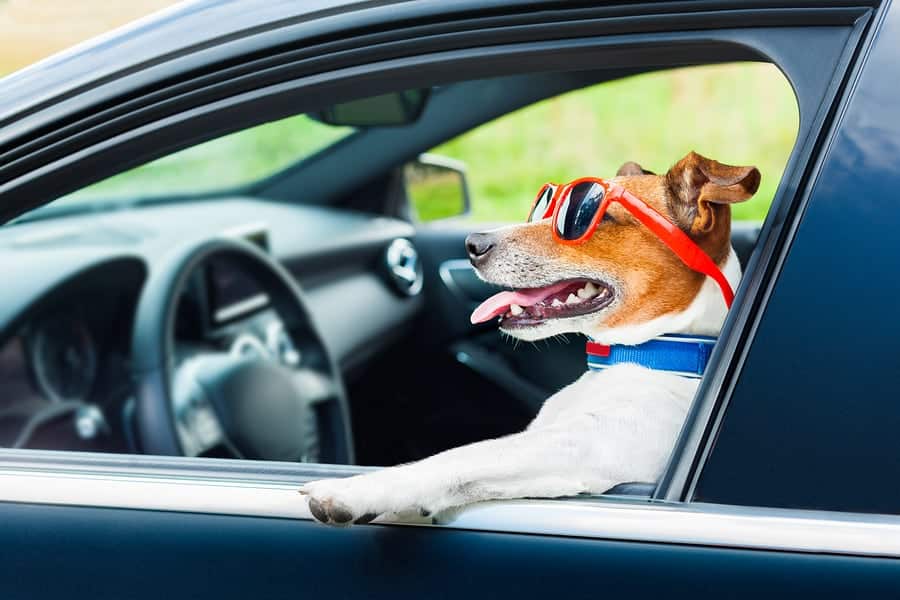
(220, 164)
(739, 113)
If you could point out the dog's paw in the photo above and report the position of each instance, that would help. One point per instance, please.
(361, 499)
(341, 502)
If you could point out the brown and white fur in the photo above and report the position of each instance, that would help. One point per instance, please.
(610, 426)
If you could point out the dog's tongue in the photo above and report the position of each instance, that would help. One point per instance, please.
(499, 303)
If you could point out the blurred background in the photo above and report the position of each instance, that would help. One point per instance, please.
(34, 29)
(742, 113)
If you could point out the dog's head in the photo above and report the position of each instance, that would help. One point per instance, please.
(623, 285)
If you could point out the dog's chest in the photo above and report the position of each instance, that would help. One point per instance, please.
(623, 395)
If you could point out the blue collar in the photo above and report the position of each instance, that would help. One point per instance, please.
(684, 355)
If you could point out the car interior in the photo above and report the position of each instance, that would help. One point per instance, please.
(319, 313)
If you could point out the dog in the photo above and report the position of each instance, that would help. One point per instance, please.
(625, 288)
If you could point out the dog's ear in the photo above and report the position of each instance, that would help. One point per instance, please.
(632, 168)
(699, 187)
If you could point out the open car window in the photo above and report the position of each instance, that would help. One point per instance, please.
(72, 354)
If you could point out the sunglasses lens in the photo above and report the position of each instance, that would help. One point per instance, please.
(541, 203)
(578, 210)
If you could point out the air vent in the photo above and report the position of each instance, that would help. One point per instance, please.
(403, 267)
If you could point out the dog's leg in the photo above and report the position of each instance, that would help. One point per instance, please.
(552, 461)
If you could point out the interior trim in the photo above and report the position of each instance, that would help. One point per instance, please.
(446, 269)
(600, 518)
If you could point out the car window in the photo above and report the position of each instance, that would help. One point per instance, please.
(740, 113)
(224, 163)
(73, 353)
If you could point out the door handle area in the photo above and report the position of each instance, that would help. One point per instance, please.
(460, 279)
(496, 369)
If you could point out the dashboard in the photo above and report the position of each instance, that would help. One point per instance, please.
(67, 318)
(69, 349)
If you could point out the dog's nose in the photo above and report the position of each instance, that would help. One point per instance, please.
(478, 245)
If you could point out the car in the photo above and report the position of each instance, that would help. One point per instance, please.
(145, 455)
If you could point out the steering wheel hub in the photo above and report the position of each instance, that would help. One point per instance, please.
(261, 409)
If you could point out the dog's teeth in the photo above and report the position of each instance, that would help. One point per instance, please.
(556, 302)
(573, 299)
(516, 310)
(591, 289)
(584, 294)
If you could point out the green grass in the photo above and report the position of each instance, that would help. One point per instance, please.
(739, 114)
(743, 114)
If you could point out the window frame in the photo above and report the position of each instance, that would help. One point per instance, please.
(38, 476)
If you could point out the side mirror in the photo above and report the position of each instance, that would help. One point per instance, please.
(436, 187)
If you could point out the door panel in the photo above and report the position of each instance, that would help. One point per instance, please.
(64, 552)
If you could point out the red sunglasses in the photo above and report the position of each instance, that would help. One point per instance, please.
(578, 207)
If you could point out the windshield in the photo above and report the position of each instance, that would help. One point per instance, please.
(225, 163)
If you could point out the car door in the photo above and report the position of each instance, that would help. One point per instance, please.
(144, 527)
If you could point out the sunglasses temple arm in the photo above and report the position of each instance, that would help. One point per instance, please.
(702, 263)
(678, 241)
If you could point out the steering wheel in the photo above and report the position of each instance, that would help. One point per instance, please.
(242, 406)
